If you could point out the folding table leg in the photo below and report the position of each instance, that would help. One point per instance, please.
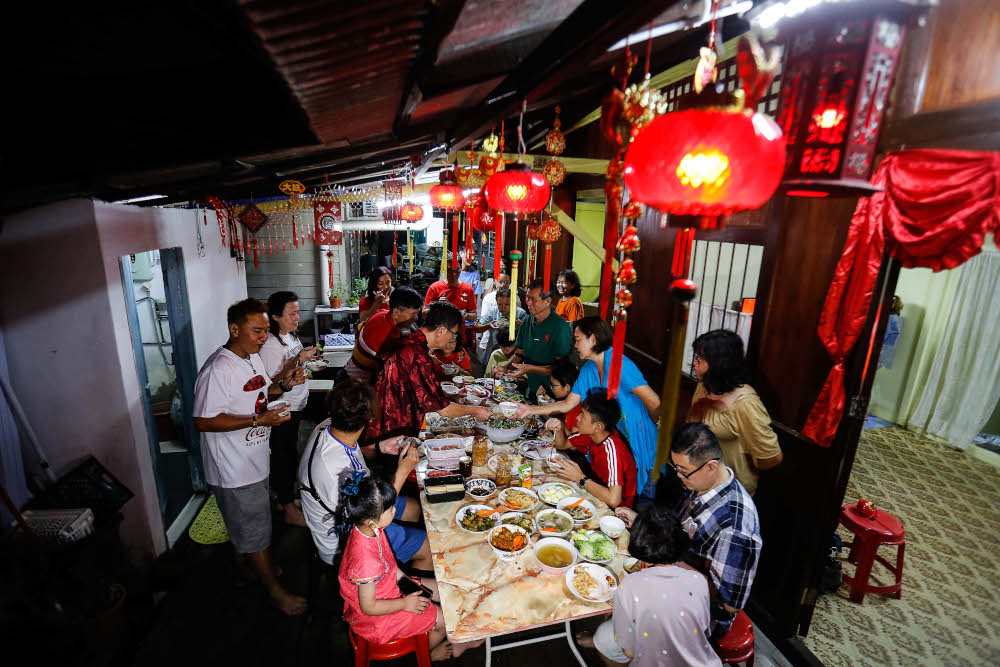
(572, 646)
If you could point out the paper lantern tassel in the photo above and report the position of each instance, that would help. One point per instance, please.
(617, 349)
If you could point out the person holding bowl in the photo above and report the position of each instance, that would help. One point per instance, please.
(379, 289)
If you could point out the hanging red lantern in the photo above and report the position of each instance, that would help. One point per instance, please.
(549, 231)
(706, 162)
(411, 212)
(476, 213)
(447, 197)
(532, 230)
(517, 190)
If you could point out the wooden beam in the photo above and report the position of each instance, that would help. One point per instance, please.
(592, 244)
(973, 127)
(583, 37)
(574, 165)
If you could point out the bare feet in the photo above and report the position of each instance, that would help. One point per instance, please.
(293, 514)
(459, 649)
(292, 605)
(441, 652)
(585, 639)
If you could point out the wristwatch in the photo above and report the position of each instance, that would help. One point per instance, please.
(254, 425)
(583, 482)
(281, 385)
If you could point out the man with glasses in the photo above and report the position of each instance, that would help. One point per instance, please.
(542, 340)
(719, 516)
(407, 387)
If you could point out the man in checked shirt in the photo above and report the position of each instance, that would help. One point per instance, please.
(721, 519)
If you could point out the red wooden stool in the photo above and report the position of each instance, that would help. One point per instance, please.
(869, 535)
(737, 644)
(366, 651)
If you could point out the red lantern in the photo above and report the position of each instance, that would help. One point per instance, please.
(706, 162)
(411, 212)
(517, 190)
(477, 213)
(555, 172)
(447, 197)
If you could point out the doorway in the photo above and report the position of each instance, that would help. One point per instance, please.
(159, 320)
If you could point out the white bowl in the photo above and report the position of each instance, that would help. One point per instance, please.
(509, 555)
(450, 369)
(553, 533)
(316, 365)
(558, 541)
(451, 389)
(612, 526)
(484, 488)
(508, 409)
(501, 435)
(586, 503)
(460, 514)
(472, 399)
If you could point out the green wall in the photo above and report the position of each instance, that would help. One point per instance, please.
(585, 263)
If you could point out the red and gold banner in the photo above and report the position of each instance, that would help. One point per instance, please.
(329, 217)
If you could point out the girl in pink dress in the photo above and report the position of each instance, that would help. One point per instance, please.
(373, 604)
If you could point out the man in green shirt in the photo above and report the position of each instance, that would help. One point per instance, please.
(543, 339)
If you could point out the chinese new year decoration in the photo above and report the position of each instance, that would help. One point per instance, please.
(555, 142)
(411, 212)
(448, 195)
(549, 231)
(532, 233)
(834, 94)
(517, 190)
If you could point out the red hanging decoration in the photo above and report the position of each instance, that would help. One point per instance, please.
(394, 250)
(254, 244)
(295, 236)
(454, 243)
(682, 252)
(517, 190)
(549, 231)
(617, 349)
(467, 230)
(447, 194)
(411, 212)
(329, 263)
(497, 218)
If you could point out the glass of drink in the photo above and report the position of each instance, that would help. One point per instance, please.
(465, 466)
(479, 448)
(503, 471)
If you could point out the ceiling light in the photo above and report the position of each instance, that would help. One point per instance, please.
(133, 200)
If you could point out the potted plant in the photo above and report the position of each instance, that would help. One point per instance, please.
(337, 295)
(360, 285)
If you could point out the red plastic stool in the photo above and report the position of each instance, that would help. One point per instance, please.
(869, 535)
(366, 651)
(737, 644)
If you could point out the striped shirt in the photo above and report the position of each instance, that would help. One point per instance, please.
(611, 461)
(725, 543)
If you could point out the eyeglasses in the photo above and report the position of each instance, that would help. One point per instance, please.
(688, 475)
(696, 359)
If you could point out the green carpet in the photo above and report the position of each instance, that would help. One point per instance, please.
(208, 527)
(949, 614)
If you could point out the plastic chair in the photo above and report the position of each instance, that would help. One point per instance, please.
(366, 651)
(869, 535)
(737, 645)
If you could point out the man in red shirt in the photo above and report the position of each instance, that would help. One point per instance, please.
(379, 329)
(458, 294)
(610, 458)
(407, 387)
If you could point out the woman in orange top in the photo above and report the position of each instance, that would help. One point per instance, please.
(569, 307)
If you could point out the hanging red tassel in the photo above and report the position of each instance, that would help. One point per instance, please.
(468, 238)
(497, 243)
(548, 266)
(682, 252)
(295, 236)
(454, 243)
(254, 244)
(394, 250)
(532, 251)
(329, 262)
(617, 348)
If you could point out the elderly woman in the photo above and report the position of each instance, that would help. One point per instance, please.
(592, 339)
(377, 298)
(731, 408)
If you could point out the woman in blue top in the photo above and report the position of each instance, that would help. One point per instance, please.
(592, 339)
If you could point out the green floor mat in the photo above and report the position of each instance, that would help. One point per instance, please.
(208, 527)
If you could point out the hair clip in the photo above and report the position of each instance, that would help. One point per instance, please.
(351, 486)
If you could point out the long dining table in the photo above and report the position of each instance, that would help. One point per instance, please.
(483, 597)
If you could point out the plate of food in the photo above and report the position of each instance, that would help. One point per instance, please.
(553, 492)
(553, 523)
(591, 583)
(494, 460)
(476, 390)
(518, 499)
(477, 518)
(509, 541)
(581, 509)
(504, 429)
(594, 546)
(536, 450)
(480, 488)
(518, 519)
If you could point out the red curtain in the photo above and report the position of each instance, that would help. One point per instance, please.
(934, 212)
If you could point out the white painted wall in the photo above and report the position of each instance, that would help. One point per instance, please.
(69, 349)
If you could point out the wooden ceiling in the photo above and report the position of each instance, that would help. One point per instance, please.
(187, 98)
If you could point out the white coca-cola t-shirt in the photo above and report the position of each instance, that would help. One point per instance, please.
(235, 386)
(275, 356)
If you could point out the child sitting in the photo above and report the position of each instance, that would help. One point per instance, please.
(452, 354)
(661, 614)
(373, 604)
(609, 456)
(564, 375)
(502, 354)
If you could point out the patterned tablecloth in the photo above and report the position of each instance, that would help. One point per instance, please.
(483, 596)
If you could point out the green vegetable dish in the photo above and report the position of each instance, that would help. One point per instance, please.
(503, 422)
(519, 520)
(594, 546)
(476, 523)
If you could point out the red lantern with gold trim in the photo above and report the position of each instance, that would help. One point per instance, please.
(706, 162)
(448, 196)
(411, 212)
(517, 190)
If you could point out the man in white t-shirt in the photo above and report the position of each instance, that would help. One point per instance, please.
(230, 409)
(333, 455)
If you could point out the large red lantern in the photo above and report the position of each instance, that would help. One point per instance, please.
(476, 213)
(517, 190)
(411, 212)
(448, 196)
(706, 162)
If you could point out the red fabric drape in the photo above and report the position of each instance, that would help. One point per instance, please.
(934, 212)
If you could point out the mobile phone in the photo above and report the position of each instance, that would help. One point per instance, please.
(408, 586)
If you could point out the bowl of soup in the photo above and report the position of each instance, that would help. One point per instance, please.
(555, 555)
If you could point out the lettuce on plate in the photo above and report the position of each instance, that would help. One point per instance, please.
(594, 546)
